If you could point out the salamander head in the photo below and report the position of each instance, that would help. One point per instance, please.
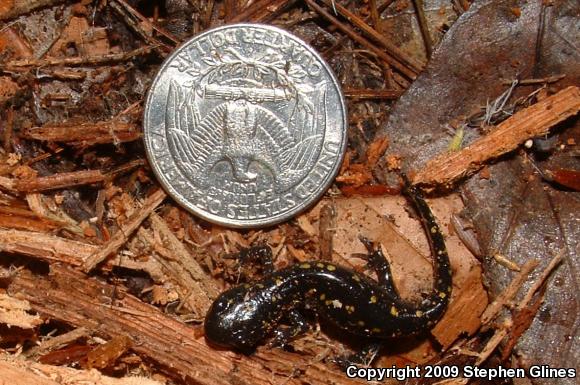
(235, 320)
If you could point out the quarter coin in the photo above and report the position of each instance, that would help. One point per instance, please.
(245, 125)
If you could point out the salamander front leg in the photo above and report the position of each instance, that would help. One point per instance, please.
(377, 261)
(297, 325)
(262, 255)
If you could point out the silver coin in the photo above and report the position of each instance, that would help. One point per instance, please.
(245, 125)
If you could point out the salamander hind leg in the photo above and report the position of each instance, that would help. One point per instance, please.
(297, 325)
(364, 357)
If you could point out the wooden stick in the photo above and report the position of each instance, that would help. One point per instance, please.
(423, 26)
(18, 372)
(261, 11)
(394, 51)
(371, 94)
(57, 342)
(147, 22)
(530, 122)
(69, 296)
(47, 247)
(26, 64)
(125, 231)
(404, 69)
(86, 134)
(509, 293)
(60, 180)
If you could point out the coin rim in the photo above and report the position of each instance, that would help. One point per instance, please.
(245, 223)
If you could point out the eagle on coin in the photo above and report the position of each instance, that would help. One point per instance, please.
(279, 130)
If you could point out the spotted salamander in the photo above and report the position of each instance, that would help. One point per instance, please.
(244, 316)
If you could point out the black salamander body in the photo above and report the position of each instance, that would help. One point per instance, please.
(242, 317)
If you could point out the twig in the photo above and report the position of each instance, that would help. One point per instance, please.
(86, 134)
(59, 181)
(46, 247)
(374, 16)
(372, 94)
(423, 26)
(148, 23)
(541, 279)
(527, 309)
(491, 345)
(57, 342)
(261, 11)
(25, 64)
(160, 47)
(125, 231)
(397, 58)
(341, 41)
(527, 82)
(530, 122)
(509, 293)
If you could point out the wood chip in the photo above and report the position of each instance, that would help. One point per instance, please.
(14, 312)
(59, 181)
(536, 120)
(31, 373)
(121, 236)
(86, 134)
(46, 247)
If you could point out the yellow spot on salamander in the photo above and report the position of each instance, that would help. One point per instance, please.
(356, 277)
(349, 308)
(442, 294)
(305, 266)
(376, 330)
(433, 230)
(361, 323)
(373, 299)
(337, 304)
(419, 313)
(327, 302)
(322, 296)
(394, 311)
(278, 281)
(331, 267)
(321, 265)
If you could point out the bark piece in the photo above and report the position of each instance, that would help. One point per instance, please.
(10, 9)
(69, 296)
(13, 312)
(121, 236)
(86, 134)
(59, 181)
(46, 247)
(19, 372)
(530, 122)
